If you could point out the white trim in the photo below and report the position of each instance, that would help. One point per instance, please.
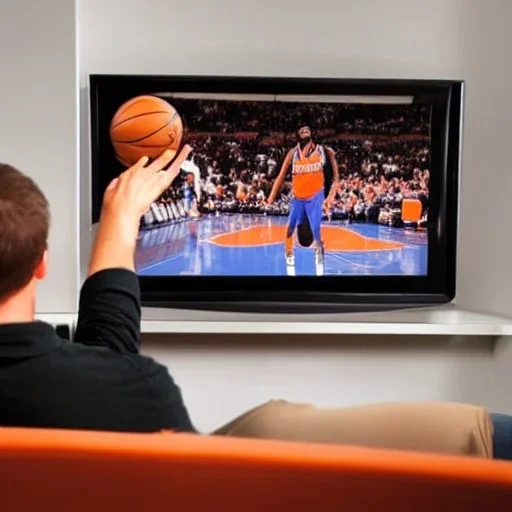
(290, 98)
(447, 321)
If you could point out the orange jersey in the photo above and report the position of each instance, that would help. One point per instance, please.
(308, 172)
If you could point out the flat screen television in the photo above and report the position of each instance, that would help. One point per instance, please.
(300, 194)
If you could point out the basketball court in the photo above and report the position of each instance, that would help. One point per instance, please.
(238, 245)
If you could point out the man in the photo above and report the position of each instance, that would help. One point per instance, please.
(307, 161)
(189, 195)
(101, 382)
(193, 175)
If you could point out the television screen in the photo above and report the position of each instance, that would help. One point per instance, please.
(349, 186)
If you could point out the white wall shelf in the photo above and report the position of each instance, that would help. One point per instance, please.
(441, 321)
(447, 321)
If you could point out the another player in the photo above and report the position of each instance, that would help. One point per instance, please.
(308, 161)
(189, 193)
(190, 167)
(191, 187)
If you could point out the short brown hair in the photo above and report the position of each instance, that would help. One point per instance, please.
(24, 225)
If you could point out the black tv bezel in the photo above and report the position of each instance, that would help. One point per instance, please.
(223, 292)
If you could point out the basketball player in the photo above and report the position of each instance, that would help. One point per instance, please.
(189, 195)
(190, 167)
(307, 161)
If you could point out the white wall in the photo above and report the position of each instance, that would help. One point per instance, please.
(38, 119)
(347, 38)
(220, 377)
(485, 234)
(410, 37)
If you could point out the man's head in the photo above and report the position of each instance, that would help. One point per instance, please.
(304, 134)
(24, 225)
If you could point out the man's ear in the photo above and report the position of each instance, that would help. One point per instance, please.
(42, 267)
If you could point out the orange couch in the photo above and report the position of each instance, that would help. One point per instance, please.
(94, 471)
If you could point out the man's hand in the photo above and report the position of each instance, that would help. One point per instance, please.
(126, 199)
(133, 191)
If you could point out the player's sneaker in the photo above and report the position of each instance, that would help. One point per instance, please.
(290, 264)
(319, 261)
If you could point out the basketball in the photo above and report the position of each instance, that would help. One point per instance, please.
(145, 126)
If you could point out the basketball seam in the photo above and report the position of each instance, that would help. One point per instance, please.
(135, 101)
(146, 136)
(139, 115)
(127, 106)
(148, 145)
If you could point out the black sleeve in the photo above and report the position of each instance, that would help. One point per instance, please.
(109, 311)
(168, 405)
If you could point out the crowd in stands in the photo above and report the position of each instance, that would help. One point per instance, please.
(285, 117)
(382, 153)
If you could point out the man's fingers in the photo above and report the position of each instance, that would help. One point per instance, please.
(160, 182)
(141, 162)
(178, 162)
(162, 161)
(133, 169)
(112, 185)
(165, 178)
(110, 188)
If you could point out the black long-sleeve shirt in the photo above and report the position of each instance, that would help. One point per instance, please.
(99, 381)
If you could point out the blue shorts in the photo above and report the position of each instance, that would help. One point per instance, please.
(312, 208)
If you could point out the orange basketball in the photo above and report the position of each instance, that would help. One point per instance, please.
(145, 126)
